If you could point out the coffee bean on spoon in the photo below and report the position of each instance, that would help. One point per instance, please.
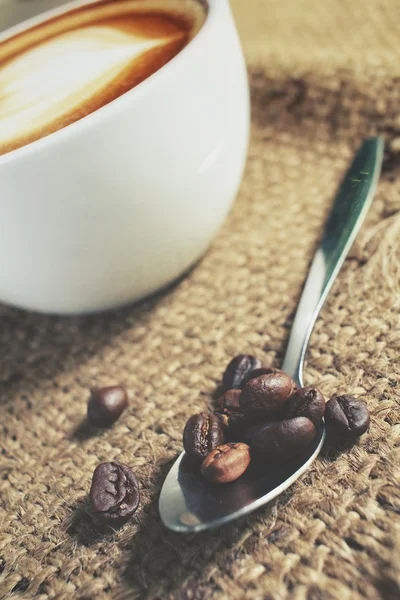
(280, 440)
(347, 416)
(238, 368)
(203, 432)
(226, 463)
(234, 422)
(306, 402)
(114, 493)
(265, 396)
(257, 372)
(106, 405)
(229, 400)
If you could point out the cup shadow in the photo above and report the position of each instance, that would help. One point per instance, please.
(39, 347)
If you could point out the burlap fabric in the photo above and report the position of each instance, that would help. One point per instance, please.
(323, 75)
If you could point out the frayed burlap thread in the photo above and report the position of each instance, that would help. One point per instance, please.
(323, 75)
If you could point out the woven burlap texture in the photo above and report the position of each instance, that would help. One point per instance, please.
(323, 75)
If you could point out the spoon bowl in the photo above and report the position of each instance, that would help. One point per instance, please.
(189, 503)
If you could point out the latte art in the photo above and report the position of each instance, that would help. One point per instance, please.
(77, 62)
(62, 74)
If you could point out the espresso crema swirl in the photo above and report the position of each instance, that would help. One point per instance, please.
(65, 68)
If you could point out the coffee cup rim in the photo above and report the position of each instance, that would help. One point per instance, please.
(212, 6)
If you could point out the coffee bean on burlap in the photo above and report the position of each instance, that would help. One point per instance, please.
(106, 405)
(114, 493)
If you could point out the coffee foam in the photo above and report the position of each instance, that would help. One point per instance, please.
(61, 75)
(83, 60)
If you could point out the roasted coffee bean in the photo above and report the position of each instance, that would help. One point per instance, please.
(265, 396)
(347, 416)
(226, 463)
(114, 493)
(306, 402)
(281, 440)
(234, 423)
(256, 373)
(202, 434)
(197, 496)
(229, 400)
(106, 405)
(238, 368)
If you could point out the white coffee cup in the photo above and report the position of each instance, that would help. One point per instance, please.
(120, 203)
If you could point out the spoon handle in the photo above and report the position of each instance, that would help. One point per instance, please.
(349, 210)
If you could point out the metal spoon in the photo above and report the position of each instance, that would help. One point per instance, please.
(188, 502)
